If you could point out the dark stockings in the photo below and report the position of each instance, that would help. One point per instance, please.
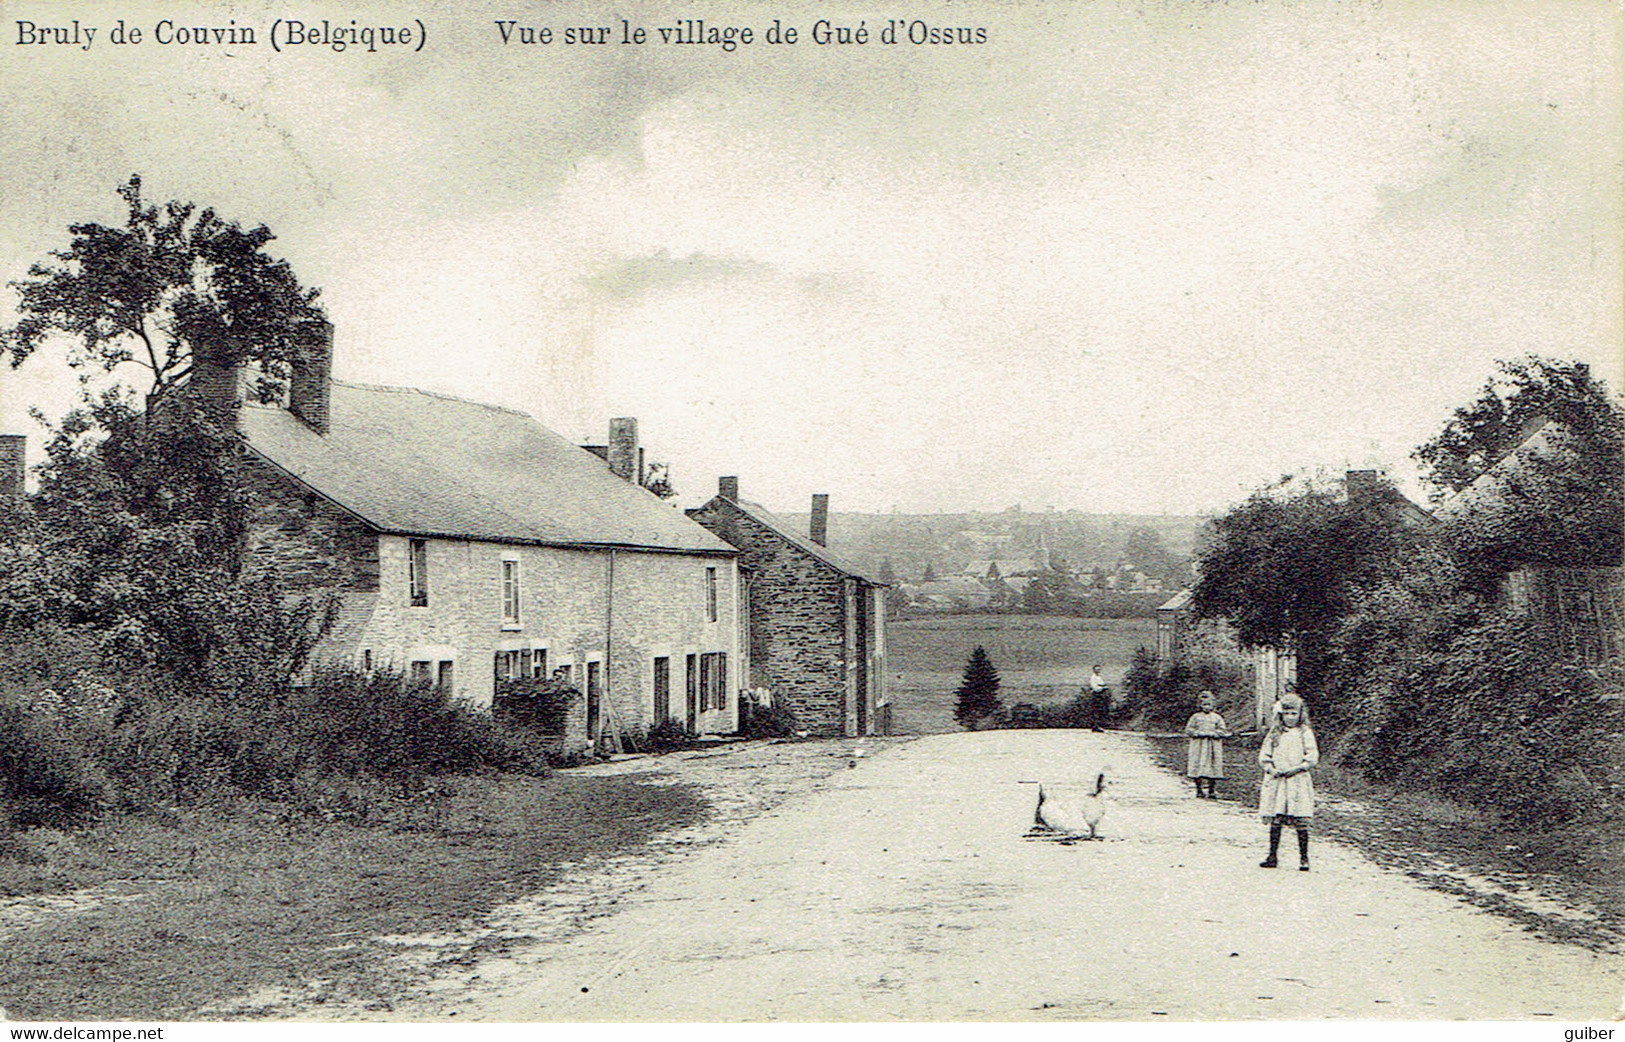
(1275, 847)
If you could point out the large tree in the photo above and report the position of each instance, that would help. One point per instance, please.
(171, 287)
(143, 548)
(1143, 550)
(1288, 564)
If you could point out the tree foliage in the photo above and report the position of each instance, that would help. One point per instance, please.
(1521, 391)
(136, 534)
(978, 695)
(1143, 550)
(1048, 592)
(1558, 504)
(658, 480)
(173, 286)
(1280, 566)
(1420, 673)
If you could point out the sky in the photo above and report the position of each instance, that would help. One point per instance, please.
(1122, 257)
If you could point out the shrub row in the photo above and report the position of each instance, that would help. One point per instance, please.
(1484, 713)
(73, 750)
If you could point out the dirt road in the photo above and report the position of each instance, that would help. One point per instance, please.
(903, 888)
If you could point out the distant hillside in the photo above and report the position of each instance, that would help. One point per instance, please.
(948, 542)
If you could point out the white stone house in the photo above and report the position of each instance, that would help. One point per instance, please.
(466, 543)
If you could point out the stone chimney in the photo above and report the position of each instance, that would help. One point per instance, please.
(728, 488)
(216, 387)
(818, 524)
(12, 467)
(623, 448)
(1361, 485)
(310, 390)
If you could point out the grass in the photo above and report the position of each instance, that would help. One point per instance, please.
(239, 899)
(1418, 832)
(1040, 659)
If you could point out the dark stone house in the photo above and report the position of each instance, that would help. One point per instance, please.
(816, 624)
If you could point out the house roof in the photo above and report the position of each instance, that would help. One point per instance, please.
(1177, 601)
(764, 517)
(1007, 566)
(951, 589)
(416, 463)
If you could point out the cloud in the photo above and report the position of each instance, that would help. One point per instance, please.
(633, 277)
(1125, 257)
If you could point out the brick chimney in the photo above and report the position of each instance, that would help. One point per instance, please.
(12, 467)
(310, 390)
(728, 488)
(818, 524)
(623, 448)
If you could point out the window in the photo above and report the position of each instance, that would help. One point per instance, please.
(510, 593)
(417, 571)
(420, 673)
(512, 665)
(714, 680)
(711, 594)
(538, 663)
(366, 661)
(444, 681)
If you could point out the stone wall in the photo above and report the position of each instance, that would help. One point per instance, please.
(311, 543)
(658, 609)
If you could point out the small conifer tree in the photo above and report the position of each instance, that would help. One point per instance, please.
(979, 692)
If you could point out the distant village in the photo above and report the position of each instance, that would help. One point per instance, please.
(1048, 561)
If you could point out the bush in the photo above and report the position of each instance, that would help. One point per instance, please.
(45, 779)
(668, 736)
(350, 723)
(776, 721)
(1486, 715)
(537, 704)
(1165, 695)
(154, 747)
(1075, 712)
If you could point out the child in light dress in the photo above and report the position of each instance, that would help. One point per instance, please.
(1286, 796)
(1204, 757)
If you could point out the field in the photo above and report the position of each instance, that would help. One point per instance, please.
(1040, 659)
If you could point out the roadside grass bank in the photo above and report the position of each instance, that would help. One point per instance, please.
(157, 916)
(1562, 883)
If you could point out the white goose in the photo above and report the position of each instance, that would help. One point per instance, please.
(1077, 818)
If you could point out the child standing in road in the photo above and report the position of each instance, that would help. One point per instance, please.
(1204, 758)
(1286, 796)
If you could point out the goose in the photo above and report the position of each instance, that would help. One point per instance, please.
(1075, 818)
